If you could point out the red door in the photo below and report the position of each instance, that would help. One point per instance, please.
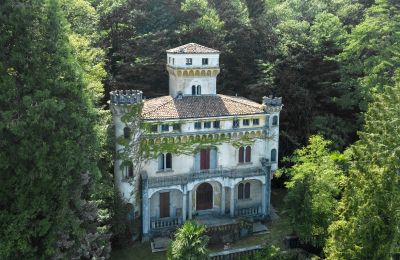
(164, 204)
(205, 159)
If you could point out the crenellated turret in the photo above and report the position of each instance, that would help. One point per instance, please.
(272, 104)
(126, 97)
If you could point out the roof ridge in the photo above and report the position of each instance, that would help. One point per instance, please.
(235, 99)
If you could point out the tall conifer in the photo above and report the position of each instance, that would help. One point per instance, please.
(49, 142)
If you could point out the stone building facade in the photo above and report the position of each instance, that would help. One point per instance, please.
(201, 152)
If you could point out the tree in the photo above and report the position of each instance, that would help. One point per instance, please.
(368, 226)
(190, 242)
(314, 188)
(49, 143)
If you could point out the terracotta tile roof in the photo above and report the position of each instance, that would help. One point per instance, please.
(167, 107)
(192, 48)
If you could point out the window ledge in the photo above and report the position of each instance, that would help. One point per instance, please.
(244, 163)
(165, 171)
(249, 199)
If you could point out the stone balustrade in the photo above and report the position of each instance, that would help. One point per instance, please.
(165, 181)
(165, 223)
(248, 211)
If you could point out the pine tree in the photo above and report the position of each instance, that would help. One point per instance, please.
(49, 141)
(369, 218)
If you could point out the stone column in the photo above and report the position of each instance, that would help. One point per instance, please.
(184, 206)
(190, 204)
(264, 198)
(223, 200)
(146, 211)
(232, 206)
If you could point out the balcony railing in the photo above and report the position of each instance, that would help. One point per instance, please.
(162, 181)
(163, 223)
(249, 211)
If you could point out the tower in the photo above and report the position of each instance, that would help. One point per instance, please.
(193, 70)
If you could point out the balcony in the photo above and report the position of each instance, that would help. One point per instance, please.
(163, 181)
(165, 223)
(249, 211)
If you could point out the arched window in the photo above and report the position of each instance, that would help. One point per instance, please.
(198, 90)
(127, 132)
(275, 120)
(248, 154)
(161, 162)
(273, 155)
(193, 90)
(168, 161)
(241, 154)
(130, 170)
(247, 190)
(240, 191)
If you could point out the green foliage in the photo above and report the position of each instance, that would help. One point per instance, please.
(371, 57)
(190, 243)
(315, 184)
(369, 217)
(50, 140)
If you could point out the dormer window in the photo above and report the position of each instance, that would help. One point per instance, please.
(188, 61)
(204, 61)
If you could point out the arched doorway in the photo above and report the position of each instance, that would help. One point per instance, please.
(204, 196)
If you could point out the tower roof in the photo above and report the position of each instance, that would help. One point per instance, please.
(191, 48)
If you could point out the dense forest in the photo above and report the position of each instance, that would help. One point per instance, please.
(335, 63)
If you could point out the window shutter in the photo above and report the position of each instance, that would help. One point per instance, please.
(247, 190)
(240, 191)
(241, 154)
(168, 161)
(248, 154)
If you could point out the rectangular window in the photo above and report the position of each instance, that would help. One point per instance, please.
(154, 128)
(173, 61)
(169, 60)
(256, 121)
(197, 125)
(165, 128)
(207, 124)
(188, 61)
(246, 122)
(204, 61)
(235, 123)
(176, 127)
(216, 124)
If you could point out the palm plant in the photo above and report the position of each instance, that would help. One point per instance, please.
(190, 243)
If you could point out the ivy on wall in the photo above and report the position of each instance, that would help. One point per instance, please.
(150, 145)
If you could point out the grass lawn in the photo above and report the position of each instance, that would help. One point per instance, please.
(278, 229)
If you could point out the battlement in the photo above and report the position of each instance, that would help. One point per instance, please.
(126, 97)
(272, 101)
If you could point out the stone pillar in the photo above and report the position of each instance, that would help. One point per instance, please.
(145, 211)
(268, 193)
(190, 204)
(223, 200)
(264, 198)
(184, 206)
(232, 206)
